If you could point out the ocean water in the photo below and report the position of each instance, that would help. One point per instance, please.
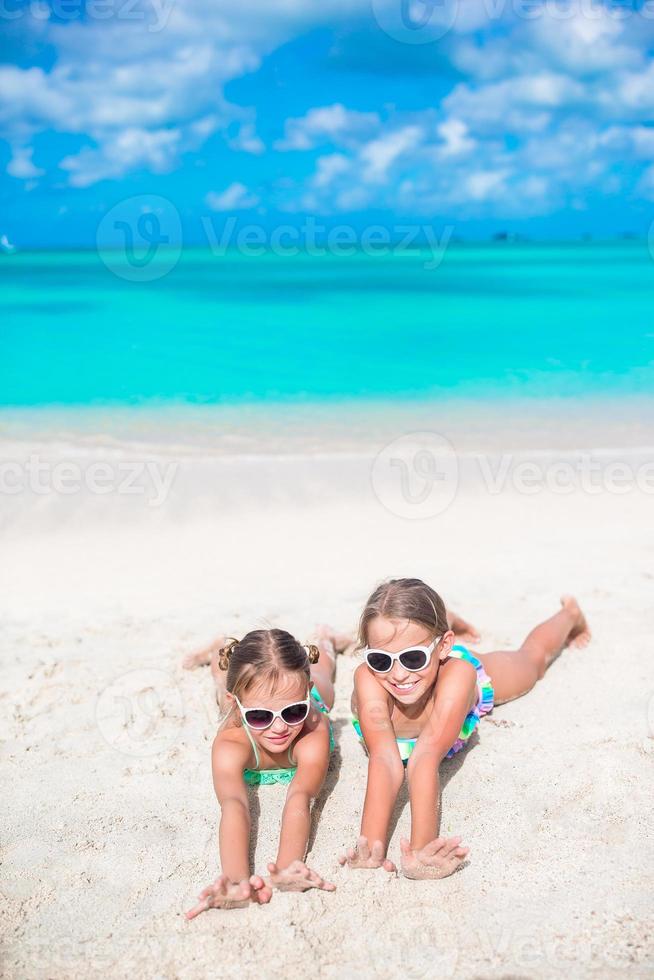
(494, 322)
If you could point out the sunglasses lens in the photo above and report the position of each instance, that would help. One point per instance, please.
(294, 714)
(378, 661)
(259, 718)
(413, 659)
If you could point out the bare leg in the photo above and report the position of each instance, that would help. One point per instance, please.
(202, 658)
(514, 672)
(323, 671)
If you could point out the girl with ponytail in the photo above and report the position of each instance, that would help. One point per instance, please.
(275, 695)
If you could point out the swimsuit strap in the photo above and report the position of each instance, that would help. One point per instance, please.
(254, 748)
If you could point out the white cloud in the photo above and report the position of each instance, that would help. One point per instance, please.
(456, 141)
(378, 155)
(236, 197)
(328, 168)
(21, 164)
(247, 140)
(484, 184)
(130, 149)
(333, 123)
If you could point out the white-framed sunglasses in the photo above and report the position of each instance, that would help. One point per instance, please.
(412, 658)
(261, 718)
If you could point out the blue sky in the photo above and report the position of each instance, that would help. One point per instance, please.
(482, 115)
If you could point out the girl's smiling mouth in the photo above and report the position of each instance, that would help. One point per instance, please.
(405, 687)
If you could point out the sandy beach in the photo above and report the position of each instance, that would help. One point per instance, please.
(109, 824)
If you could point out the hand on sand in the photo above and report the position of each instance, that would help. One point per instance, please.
(438, 859)
(297, 877)
(364, 856)
(226, 894)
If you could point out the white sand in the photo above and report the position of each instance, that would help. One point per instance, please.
(109, 822)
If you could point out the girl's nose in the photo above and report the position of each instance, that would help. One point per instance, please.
(398, 674)
(279, 727)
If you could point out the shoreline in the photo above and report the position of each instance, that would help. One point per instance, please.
(329, 428)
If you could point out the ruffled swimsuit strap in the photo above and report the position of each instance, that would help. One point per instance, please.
(254, 749)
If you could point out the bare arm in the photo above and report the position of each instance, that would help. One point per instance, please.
(455, 693)
(312, 755)
(385, 769)
(228, 759)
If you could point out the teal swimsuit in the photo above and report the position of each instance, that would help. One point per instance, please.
(264, 777)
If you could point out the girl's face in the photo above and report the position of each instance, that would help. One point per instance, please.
(395, 635)
(288, 690)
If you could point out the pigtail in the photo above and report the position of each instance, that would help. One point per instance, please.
(225, 653)
(313, 653)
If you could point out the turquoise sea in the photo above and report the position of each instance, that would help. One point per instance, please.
(499, 321)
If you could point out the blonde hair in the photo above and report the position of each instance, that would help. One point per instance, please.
(264, 655)
(404, 598)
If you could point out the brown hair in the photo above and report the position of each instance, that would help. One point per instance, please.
(404, 598)
(264, 655)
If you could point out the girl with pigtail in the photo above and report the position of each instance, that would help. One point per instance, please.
(275, 695)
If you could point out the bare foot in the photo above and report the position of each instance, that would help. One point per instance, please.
(226, 894)
(364, 856)
(463, 630)
(340, 641)
(438, 859)
(202, 658)
(580, 634)
(297, 877)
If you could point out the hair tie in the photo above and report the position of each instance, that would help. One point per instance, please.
(225, 653)
(313, 653)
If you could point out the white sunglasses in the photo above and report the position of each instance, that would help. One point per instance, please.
(412, 658)
(261, 718)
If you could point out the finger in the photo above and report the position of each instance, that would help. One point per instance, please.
(433, 847)
(273, 869)
(351, 854)
(257, 882)
(362, 847)
(327, 886)
(462, 851)
(389, 866)
(377, 852)
(245, 889)
(205, 894)
(451, 845)
(264, 895)
(196, 910)
(342, 859)
(405, 847)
